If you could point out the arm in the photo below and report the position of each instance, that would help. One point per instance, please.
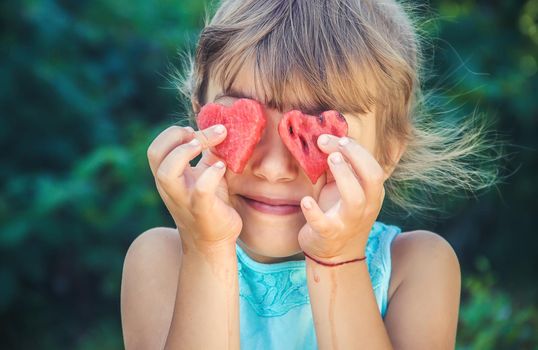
(344, 307)
(148, 288)
(424, 307)
(206, 312)
(203, 310)
(423, 310)
(177, 299)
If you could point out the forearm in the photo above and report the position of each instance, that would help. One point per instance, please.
(206, 312)
(344, 308)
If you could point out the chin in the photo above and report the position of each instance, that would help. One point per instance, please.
(271, 242)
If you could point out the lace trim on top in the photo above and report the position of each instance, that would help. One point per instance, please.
(274, 289)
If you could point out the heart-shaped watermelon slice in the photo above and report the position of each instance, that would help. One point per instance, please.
(300, 133)
(244, 122)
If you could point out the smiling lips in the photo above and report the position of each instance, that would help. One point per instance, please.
(273, 206)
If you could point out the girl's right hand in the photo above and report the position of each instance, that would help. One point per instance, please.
(196, 197)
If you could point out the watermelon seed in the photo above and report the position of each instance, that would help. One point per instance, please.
(290, 130)
(304, 144)
(314, 140)
(321, 120)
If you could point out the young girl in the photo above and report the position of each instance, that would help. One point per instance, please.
(264, 259)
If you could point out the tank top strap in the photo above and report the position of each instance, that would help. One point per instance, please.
(378, 259)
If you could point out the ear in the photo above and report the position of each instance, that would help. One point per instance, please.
(397, 149)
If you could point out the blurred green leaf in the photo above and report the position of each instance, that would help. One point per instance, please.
(85, 88)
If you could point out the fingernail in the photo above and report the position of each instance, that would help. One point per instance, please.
(194, 143)
(219, 129)
(219, 164)
(323, 139)
(307, 204)
(343, 141)
(336, 158)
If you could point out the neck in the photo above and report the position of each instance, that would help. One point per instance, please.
(264, 259)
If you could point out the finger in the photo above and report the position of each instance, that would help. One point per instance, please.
(351, 192)
(315, 217)
(174, 168)
(203, 195)
(364, 165)
(165, 196)
(210, 137)
(165, 142)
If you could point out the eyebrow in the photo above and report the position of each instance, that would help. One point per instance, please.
(231, 92)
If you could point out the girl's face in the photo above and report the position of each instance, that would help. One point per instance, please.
(273, 172)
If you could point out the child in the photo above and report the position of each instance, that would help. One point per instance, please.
(264, 259)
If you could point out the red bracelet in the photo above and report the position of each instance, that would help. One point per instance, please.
(334, 264)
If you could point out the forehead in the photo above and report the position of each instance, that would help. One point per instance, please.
(249, 82)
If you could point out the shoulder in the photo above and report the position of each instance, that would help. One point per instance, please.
(157, 241)
(425, 282)
(148, 287)
(414, 252)
(155, 251)
(423, 247)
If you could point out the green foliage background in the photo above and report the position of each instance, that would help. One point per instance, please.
(84, 88)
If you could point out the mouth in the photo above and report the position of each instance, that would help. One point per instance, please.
(272, 206)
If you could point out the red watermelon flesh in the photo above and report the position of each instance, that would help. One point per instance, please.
(300, 133)
(244, 122)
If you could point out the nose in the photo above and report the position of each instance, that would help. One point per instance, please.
(271, 159)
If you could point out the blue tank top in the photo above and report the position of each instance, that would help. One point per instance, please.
(274, 303)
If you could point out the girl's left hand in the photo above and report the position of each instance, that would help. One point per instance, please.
(337, 227)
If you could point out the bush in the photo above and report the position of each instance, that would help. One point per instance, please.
(491, 318)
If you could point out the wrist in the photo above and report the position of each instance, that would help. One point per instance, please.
(222, 261)
(206, 248)
(209, 249)
(216, 262)
(334, 261)
(354, 254)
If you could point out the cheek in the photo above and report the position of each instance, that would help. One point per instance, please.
(232, 179)
(362, 129)
(330, 176)
(233, 182)
(324, 179)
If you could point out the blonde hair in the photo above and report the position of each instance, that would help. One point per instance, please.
(351, 56)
